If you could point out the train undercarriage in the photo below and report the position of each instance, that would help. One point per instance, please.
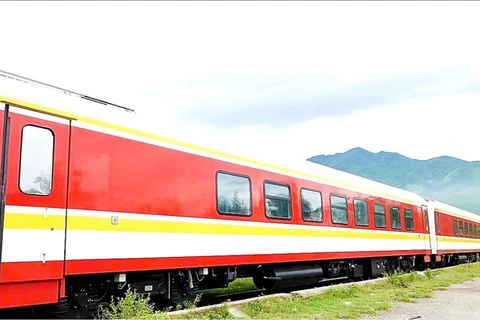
(171, 288)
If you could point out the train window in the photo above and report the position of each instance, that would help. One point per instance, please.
(470, 230)
(380, 219)
(339, 210)
(455, 228)
(408, 216)
(277, 201)
(478, 232)
(36, 161)
(475, 231)
(460, 227)
(311, 205)
(361, 212)
(233, 194)
(395, 217)
(437, 223)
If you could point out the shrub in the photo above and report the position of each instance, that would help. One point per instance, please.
(429, 274)
(131, 306)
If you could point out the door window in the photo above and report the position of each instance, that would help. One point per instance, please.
(36, 161)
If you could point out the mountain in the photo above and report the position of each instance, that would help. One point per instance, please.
(447, 179)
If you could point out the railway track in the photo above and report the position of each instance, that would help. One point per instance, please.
(305, 291)
(251, 294)
(221, 298)
(210, 301)
(245, 295)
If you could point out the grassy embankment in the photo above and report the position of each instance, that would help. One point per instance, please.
(351, 302)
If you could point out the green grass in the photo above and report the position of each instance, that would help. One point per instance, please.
(239, 285)
(350, 302)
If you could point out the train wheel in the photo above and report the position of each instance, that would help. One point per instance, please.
(406, 265)
(392, 266)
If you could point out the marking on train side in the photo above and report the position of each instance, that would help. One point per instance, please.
(90, 223)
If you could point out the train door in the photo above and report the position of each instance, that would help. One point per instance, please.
(33, 196)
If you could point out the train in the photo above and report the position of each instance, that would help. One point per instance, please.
(96, 199)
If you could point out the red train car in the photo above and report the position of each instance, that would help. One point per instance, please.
(95, 199)
(455, 235)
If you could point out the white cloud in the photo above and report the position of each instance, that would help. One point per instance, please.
(163, 58)
(420, 129)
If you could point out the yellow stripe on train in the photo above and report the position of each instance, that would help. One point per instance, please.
(39, 222)
(82, 223)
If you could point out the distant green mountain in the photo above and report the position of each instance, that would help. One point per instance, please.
(449, 180)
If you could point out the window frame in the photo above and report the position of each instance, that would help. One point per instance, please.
(455, 227)
(375, 213)
(399, 218)
(22, 135)
(265, 199)
(460, 228)
(337, 207)
(470, 229)
(405, 219)
(437, 222)
(249, 189)
(355, 212)
(321, 205)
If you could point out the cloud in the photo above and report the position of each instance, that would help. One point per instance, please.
(286, 101)
(270, 79)
(419, 128)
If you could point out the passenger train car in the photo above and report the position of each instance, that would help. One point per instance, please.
(95, 199)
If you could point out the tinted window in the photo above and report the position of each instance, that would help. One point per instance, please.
(277, 201)
(395, 217)
(455, 228)
(311, 205)
(339, 209)
(361, 212)
(475, 231)
(233, 194)
(460, 227)
(379, 211)
(437, 223)
(470, 230)
(408, 215)
(36, 162)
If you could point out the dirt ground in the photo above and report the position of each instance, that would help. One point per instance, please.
(459, 301)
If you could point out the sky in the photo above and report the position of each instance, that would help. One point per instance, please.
(267, 79)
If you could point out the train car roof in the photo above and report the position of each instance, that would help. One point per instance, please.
(111, 118)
